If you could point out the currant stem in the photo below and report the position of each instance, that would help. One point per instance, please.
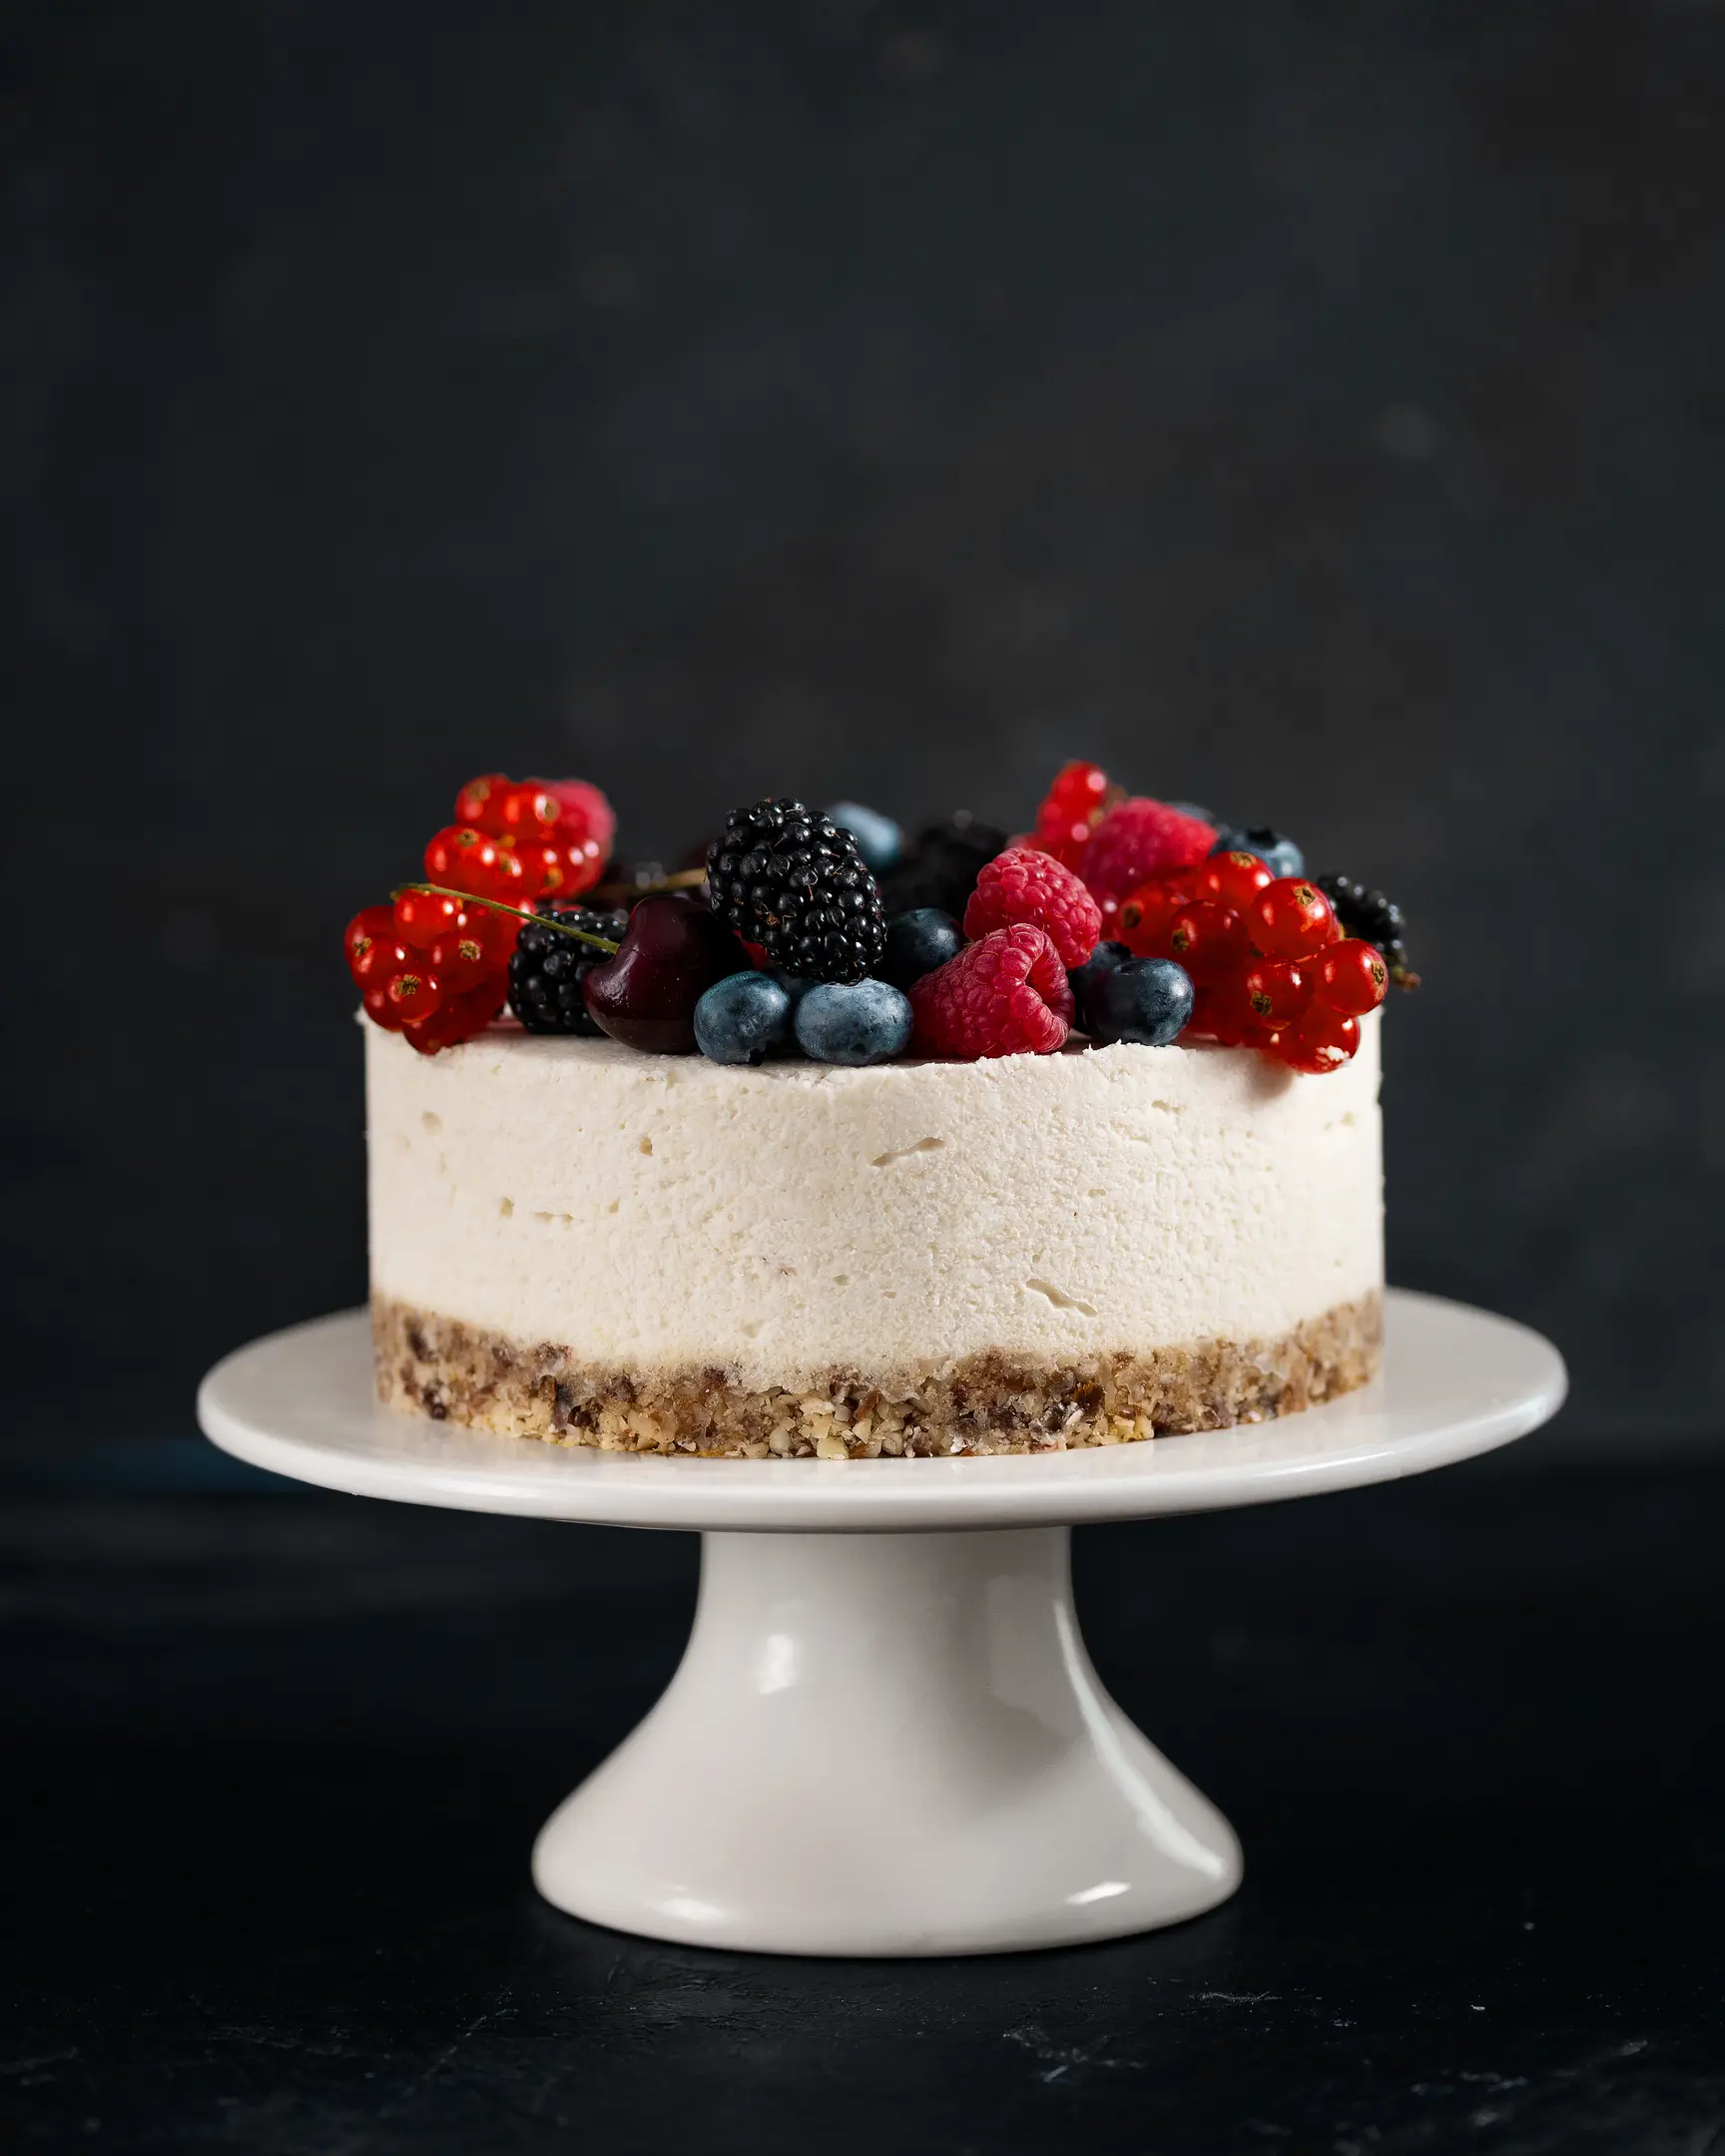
(497, 905)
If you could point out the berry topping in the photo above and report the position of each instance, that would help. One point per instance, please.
(1278, 851)
(1083, 980)
(741, 1018)
(1233, 878)
(879, 839)
(671, 954)
(918, 942)
(1142, 920)
(421, 916)
(1071, 809)
(1141, 838)
(1375, 919)
(1146, 1001)
(1322, 1041)
(794, 883)
(549, 969)
(474, 861)
(942, 866)
(855, 1022)
(413, 993)
(479, 803)
(1353, 978)
(1007, 995)
(370, 926)
(1022, 886)
(1276, 991)
(1291, 918)
(1208, 940)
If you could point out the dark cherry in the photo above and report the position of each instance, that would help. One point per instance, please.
(673, 953)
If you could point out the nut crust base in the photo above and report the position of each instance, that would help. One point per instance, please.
(986, 1403)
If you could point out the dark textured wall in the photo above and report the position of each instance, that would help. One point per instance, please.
(1312, 409)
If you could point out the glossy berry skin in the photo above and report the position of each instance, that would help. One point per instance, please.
(1353, 978)
(455, 1020)
(423, 916)
(479, 804)
(1291, 918)
(672, 953)
(852, 1022)
(1277, 852)
(382, 956)
(377, 1006)
(1276, 991)
(1139, 838)
(1078, 795)
(372, 925)
(413, 993)
(1221, 1013)
(918, 942)
(473, 860)
(1322, 1041)
(940, 866)
(1147, 1001)
(880, 840)
(1146, 915)
(1023, 886)
(460, 961)
(1233, 878)
(1007, 995)
(1208, 941)
(1085, 979)
(741, 1019)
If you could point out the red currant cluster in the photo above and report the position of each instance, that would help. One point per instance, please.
(1071, 809)
(1269, 962)
(434, 965)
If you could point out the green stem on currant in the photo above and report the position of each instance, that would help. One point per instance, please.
(497, 905)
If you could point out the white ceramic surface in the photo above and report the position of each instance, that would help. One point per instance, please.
(885, 1737)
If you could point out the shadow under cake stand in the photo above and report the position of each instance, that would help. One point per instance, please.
(885, 1736)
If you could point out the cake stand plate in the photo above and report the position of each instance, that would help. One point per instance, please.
(885, 1736)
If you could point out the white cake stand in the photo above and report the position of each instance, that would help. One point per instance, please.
(885, 1736)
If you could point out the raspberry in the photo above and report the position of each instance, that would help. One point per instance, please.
(1021, 885)
(1141, 838)
(1007, 995)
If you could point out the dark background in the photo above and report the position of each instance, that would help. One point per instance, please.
(1311, 409)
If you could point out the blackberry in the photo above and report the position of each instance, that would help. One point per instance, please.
(547, 968)
(788, 878)
(940, 866)
(1375, 919)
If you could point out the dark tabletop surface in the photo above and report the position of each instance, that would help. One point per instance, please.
(275, 1761)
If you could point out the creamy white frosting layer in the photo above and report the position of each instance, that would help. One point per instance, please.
(654, 1212)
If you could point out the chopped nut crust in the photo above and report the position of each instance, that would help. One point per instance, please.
(986, 1403)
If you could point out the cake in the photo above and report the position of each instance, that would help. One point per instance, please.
(1018, 1200)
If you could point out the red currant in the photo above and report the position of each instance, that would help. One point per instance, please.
(1322, 1041)
(414, 993)
(457, 1020)
(460, 961)
(1148, 913)
(371, 925)
(423, 916)
(1233, 880)
(1291, 918)
(1079, 795)
(585, 813)
(1207, 940)
(378, 1007)
(383, 955)
(1276, 991)
(528, 811)
(1352, 976)
(479, 800)
(1220, 1012)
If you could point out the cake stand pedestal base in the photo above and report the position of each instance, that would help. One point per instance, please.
(885, 1737)
(888, 1744)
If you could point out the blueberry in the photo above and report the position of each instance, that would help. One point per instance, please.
(879, 839)
(1142, 1000)
(1083, 979)
(1277, 854)
(794, 985)
(865, 1021)
(1191, 809)
(918, 942)
(741, 1018)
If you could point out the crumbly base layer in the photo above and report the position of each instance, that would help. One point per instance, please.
(427, 1364)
